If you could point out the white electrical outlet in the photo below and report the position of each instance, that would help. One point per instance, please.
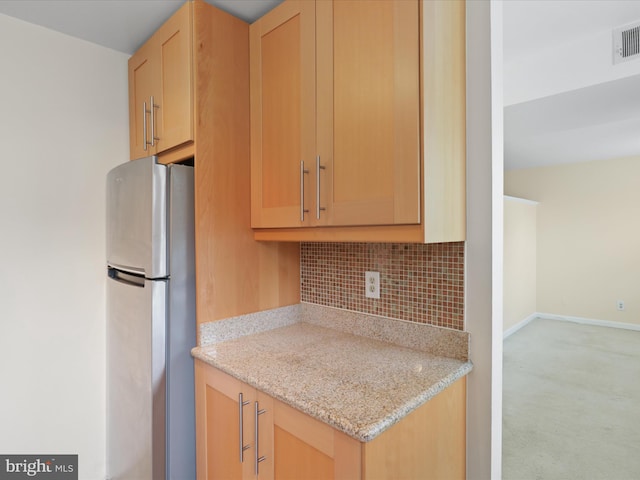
(620, 305)
(372, 284)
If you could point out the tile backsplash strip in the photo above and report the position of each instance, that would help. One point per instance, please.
(419, 283)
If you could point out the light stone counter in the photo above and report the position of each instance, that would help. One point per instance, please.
(361, 375)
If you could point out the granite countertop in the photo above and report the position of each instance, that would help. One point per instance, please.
(356, 383)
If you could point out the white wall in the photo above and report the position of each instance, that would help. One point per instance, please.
(63, 125)
(588, 237)
(520, 235)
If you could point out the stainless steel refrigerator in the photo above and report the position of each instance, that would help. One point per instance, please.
(151, 324)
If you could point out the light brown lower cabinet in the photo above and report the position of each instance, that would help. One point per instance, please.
(243, 433)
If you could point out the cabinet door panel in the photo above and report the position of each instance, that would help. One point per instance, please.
(304, 447)
(363, 103)
(296, 459)
(175, 106)
(217, 425)
(264, 447)
(141, 76)
(368, 110)
(222, 436)
(162, 69)
(283, 113)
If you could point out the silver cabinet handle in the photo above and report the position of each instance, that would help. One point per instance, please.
(258, 458)
(241, 404)
(302, 209)
(318, 168)
(144, 125)
(153, 122)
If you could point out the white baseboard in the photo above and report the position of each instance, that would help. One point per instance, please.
(519, 325)
(568, 318)
(586, 321)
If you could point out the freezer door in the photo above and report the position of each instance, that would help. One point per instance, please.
(136, 380)
(137, 218)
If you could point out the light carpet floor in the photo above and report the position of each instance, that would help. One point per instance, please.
(571, 403)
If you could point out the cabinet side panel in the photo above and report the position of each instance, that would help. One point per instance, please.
(201, 419)
(444, 117)
(234, 273)
(428, 444)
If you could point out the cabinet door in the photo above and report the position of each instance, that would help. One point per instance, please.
(218, 427)
(282, 56)
(141, 77)
(174, 92)
(304, 447)
(262, 455)
(368, 101)
(162, 69)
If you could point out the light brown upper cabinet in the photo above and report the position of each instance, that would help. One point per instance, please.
(198, 61)
(161, 88)
(358, 121)
(283, 114)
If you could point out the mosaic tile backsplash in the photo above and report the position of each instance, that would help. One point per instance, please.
(419, 283)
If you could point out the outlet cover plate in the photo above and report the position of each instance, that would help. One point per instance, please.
(372, 284)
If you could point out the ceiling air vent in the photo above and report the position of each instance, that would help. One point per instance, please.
(626, 43)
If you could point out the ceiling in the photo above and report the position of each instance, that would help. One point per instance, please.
(534, 25)
(122, 25)
(599, 121)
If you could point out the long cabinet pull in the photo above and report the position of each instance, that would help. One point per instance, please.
(318, 168)
(258, 458)
(144, 125)
(302, 209)
(241, 404)
(153, 122)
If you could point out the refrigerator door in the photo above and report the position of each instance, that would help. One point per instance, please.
(136, 381)
(137, 218)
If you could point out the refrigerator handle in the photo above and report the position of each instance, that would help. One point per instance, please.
(127, 278)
